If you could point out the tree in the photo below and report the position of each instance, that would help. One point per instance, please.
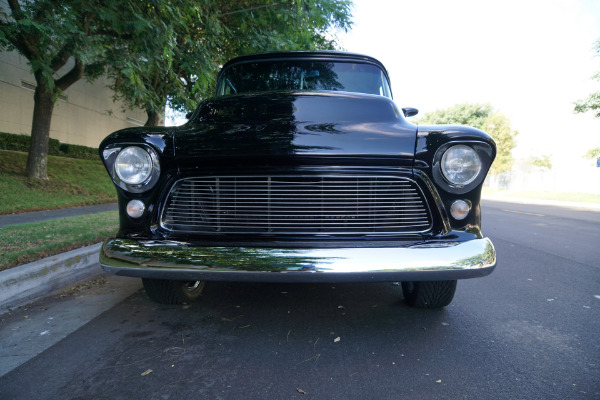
(212, 32)
(66, 40)
(481, 116)
(542, 162)
(148, 75)
(593, 153)
(592, 103)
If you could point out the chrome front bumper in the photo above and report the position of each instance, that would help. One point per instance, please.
(179, 261)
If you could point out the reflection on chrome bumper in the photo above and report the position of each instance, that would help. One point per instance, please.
(176, 260)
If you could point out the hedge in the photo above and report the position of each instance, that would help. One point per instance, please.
(11, 141)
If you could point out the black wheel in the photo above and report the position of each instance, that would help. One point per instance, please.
(428, 294)
(165, 291)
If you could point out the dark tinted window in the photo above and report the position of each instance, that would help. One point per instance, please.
(271, 75)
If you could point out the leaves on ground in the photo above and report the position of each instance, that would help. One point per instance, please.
(75, 290)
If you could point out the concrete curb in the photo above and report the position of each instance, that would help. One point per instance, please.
(27, 282)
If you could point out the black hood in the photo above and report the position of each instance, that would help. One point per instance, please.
(296, 124)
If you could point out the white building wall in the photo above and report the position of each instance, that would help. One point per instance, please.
(85, 117)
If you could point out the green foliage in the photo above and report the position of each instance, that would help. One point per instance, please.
(593, 153)
(182, 62)
(481, 116)
(592, 103)
(49, 33)
(542, 162)
(11, 141)
(77, 151)
(73, 182)
(474, 115)
(29, 242)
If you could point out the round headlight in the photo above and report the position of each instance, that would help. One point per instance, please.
(133, 165)
(461, 165)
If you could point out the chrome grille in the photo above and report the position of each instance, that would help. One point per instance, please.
(291, 204)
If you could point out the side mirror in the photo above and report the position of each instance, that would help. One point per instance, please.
(410, 112)
(189, 115)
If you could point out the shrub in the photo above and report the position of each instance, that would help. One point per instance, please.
(14, 142)
(11, 141)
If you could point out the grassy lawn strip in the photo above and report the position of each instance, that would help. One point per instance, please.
(72, 182)
(556, 196)
(20, 244)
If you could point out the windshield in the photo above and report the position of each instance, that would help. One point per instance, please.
(263, 76)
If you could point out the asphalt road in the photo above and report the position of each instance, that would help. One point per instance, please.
(528, 331)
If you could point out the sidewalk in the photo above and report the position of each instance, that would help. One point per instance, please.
(48, 319)
(39, 216)
(36, 311)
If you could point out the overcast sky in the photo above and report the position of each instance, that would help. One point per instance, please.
(531, 59)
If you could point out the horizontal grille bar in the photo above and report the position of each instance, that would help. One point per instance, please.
(291, 204)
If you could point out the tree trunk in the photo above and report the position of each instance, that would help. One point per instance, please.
(153, 118)
(37, 160)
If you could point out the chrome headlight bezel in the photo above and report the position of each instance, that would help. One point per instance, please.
(483, 152)
(149, 180)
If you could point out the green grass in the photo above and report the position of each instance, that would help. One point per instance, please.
(72, 182)
(20, 244)
(556, 196)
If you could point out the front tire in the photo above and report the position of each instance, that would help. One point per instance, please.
(428, 294)
(166, 291)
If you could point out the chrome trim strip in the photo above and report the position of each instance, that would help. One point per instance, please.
(180, 261)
